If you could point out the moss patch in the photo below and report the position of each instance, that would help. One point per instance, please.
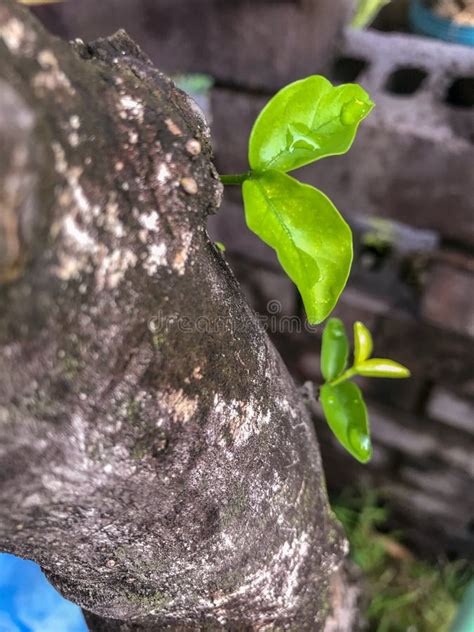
(404, 593)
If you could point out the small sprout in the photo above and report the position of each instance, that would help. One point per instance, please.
(335, 350)
(346, 414)
(342, 401)
(379, 367)
(219, 245)
(362, 342)
(307, 120)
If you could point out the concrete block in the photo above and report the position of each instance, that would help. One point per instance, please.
(451, 409)
(448, 299)
(431, 353)
(262, 44)
(412, 159)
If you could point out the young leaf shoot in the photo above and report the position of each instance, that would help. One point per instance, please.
(304, 122)
(342, 401)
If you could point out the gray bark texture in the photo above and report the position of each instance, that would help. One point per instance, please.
(155, 457)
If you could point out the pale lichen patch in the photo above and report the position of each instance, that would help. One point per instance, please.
(131, 108)
(132, 137)
(60, 163)
(149, 221)
(47, 59)
(80, 250)
(113, 267)
(284, 597)
(193, 147)
(173, 128)
(155, 258)
(77, 244)
(177, 405)
(163, 174)
(238, 419)
(110, 219)
(81, 238)
(197, 373)
(73, 139)
(75, 121)
(17, 38)
(51, 77)
(181, 257)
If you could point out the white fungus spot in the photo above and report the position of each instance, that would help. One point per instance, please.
(113, 268)
(156, 258)
(51, 77)
(16, 37)
(82, 239)
(193, 147)
(73, 139)
(163, 174)
(181, 257)
(132, 107)
(149, 221)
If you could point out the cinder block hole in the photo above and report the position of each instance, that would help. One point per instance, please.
(346, 69)
(373, 257)
(405, 81)
(461, 93)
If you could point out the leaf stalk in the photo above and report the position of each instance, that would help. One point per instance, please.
(343, 377)
(235, 178)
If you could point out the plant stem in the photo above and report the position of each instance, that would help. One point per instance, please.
(235, 178)
(342, 378)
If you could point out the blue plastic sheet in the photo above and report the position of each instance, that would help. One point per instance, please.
(28, 602)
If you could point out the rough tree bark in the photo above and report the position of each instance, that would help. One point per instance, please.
(155, 457)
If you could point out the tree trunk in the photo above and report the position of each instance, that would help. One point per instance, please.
(155, 457)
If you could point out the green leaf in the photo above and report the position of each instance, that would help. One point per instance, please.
(334, 350)
(380, 367)
(362, 342)
(346, 414)
(312, 241)
(366, 12)
(305, 121)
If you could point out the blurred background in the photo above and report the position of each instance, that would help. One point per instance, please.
(407, 189)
